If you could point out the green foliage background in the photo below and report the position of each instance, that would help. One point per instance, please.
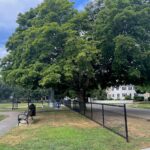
(56, 46)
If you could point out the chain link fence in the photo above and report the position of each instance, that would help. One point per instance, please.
(112, 117)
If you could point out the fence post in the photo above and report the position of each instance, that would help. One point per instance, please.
(91, 112)
(126, 123)
(70, 104)
(103, 115)
(80, 107)
(74, 105)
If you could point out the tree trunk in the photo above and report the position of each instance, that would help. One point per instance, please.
(82, 100)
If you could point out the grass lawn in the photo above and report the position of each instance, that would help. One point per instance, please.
(21, 107)
(2, 117)
(66, 130)
(145, 105)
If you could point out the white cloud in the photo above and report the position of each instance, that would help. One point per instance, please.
(9, 10)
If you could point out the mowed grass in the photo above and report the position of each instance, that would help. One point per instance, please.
(2, 117)
(63, 130)
(21, 107)
(144, 105)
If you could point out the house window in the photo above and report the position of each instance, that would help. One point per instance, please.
(130, 88)
(123, 88)
(112, 89)
(117, 88)
(118, 95)
(112, 95)
(124, 94)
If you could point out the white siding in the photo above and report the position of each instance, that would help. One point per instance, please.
(120, 92)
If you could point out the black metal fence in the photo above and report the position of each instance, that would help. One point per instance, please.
(112, 117)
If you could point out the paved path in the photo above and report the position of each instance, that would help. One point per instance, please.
(10, 122)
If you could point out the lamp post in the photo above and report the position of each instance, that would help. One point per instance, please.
(12, 99)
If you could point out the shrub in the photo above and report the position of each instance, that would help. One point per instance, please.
(128, 97)
(138, 98)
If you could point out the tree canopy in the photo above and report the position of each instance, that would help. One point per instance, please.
(56, 46)
(121, 30)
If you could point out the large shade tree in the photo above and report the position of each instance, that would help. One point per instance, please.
(49, 49)
(57, 46)
(37, 42)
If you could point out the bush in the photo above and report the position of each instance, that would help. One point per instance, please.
(138, 98)
(128, 97)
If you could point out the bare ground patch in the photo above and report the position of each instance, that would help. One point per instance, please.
(139, 130)
(13, 139)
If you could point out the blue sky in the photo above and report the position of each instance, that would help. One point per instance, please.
(9, 10)
(79, 4)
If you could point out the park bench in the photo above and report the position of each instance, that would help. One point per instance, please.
(24, 117)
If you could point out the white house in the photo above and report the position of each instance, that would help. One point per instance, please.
(120, 92)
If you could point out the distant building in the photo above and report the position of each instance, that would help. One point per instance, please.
(120, 92)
